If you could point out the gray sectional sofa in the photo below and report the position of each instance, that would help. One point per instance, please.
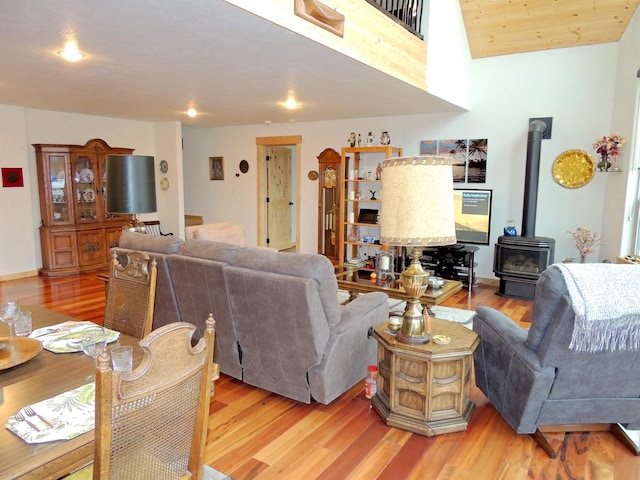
(279, 325)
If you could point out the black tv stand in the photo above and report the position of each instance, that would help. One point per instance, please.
(453, 262)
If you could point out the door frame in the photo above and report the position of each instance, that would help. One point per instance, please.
(263, 143)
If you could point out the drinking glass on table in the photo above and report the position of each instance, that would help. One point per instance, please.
(94, 342)
(9, 311)
(23, 324)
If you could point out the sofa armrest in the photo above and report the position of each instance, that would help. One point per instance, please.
(350, 349)
(352, 312)
(508, 372)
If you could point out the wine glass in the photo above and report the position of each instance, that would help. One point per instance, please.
(9, 311)
(94, 342)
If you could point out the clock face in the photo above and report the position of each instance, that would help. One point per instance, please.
(329, 177)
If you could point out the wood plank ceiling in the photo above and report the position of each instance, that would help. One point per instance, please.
(503, 27)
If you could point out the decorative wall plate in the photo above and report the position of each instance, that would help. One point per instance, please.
(573, 168)
(313, 175)
(164, 184)
(164, 166)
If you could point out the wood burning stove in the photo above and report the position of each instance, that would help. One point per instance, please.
(519, 260)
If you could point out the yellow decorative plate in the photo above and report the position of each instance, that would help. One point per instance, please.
(164, 184)
(573, 168)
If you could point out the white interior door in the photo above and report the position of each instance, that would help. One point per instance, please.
(279, 197)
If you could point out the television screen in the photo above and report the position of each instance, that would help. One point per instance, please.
(472, 208)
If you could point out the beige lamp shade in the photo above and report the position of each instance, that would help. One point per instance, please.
(417, 202)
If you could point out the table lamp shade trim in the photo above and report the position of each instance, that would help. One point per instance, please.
(130, 184)
(417, 202)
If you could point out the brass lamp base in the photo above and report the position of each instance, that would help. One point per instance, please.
(415, 280)
(134, 226)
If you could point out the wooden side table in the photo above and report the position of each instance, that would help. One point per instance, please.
(425, 389)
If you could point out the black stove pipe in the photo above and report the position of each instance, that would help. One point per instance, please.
(534, 141)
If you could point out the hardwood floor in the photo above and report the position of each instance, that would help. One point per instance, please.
(257, 435)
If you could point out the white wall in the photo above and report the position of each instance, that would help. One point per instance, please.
(507, 91)
(168, 146)
(17, 242)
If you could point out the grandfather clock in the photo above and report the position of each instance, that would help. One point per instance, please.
(329, 214)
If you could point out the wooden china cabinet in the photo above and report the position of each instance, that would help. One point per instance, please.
(76, 232)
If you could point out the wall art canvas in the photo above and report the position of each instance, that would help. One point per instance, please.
(12, 177)
(469, 157)
(216, 168)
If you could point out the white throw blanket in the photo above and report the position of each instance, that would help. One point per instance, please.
(606, 302)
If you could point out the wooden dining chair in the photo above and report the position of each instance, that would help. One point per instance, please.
(131, 293)
(152, 423)
(152, 227)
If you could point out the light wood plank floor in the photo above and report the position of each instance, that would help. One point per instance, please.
(257, 435)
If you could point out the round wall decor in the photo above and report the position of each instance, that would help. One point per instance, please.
(313, 175)
(244, 166)
(164, 184)
(573, 168)
(164, 166)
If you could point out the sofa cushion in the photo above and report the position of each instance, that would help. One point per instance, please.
(219, 251)
(149, 243)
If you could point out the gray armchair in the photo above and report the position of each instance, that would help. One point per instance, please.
(534, 378)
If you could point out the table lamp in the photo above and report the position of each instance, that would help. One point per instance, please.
(131, 188)
(416, 211)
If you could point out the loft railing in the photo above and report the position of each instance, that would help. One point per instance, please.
(407, 13)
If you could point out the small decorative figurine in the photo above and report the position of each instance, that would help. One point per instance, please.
(385, 139)
(352, 139)
(359, 139)
(370, 137)
(379, 171)
(373, 194)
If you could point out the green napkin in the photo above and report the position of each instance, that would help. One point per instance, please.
(70, 414)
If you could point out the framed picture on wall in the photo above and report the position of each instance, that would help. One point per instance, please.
(216, 168)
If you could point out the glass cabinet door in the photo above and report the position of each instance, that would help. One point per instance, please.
(84, 172)
(60, 189)
(329, 218)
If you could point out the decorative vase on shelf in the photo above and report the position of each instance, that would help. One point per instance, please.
(614, 163)
(583, 258)
(604, 163)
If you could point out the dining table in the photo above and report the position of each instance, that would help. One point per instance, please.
(39, 378)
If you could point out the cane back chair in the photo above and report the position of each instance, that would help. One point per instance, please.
(152, 423)
(131, 294)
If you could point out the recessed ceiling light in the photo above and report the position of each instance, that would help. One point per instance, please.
(192, 112)
(71, 52)
(291, 103)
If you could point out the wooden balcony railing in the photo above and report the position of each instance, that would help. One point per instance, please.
(408, 13)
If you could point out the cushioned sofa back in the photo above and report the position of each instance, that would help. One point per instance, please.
(281, 328)
(160, 248)
(550, 303)
(198, 277)
(304, 265)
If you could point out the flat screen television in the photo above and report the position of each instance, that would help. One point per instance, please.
(472, 209)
